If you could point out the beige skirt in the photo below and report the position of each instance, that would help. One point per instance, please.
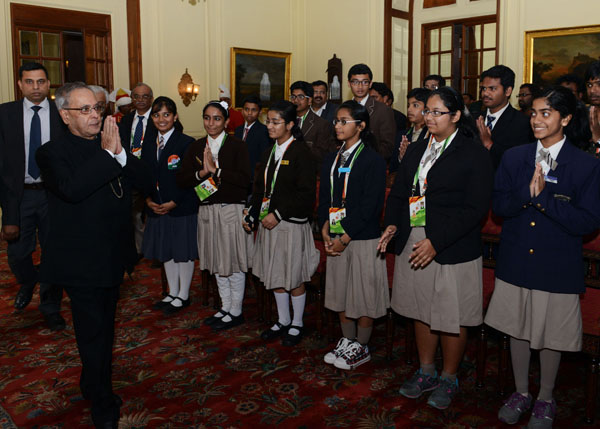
(356, 281)
(224, 247)
(444, 296)
(547, 320)
(285, 256)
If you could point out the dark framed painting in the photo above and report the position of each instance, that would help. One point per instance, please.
(552, 53)
(262, 73)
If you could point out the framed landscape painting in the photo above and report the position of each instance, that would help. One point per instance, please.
(262, 73)
(552, 53)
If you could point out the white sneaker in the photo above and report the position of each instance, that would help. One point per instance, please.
(341, 346)
(354, 355)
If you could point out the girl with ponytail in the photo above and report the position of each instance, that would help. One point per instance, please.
(548, 194)
(285, 255)
(351, 198)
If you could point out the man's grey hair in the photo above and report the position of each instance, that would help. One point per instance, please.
(63, 93)
(143, 84)
(97, 89)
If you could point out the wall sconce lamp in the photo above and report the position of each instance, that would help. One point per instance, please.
(187, 89)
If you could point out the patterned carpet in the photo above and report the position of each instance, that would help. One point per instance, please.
(175, 373)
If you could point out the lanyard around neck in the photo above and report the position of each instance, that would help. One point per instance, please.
(416, 179)
(347, 174)
(276, 172)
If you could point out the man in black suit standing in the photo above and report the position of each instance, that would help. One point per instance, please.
(501, 126)
(320, 105)
(135, 128)
(26, 125)
(253, 133)
(89, 181)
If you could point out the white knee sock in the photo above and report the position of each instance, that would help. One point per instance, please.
(298, 306)
(224, 293)
(172, 273)
(186, 272)
(237, 282)
(283, 308)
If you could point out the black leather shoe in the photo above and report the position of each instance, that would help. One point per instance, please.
(220, 325)
(23, 297)
(159, 305)
(270, 334)
(55, 322)
(292, 340)
(209, 321)
(171, 309)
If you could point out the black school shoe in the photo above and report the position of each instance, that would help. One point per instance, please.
(220, 325)
(292, 340)
(209, 321)
(159, 305)
(171, 309)
(270, 334)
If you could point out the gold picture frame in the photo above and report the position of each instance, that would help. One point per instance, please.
(554, 52)
(248, 70)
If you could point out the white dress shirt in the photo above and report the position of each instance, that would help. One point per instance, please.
(215, 144)
(44, 114)
(427, 166)
(320, 111)
(554, 151)
(135, 122)
(280, 149)
(495, 115)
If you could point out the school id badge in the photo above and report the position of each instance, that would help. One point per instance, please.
(264, 208)
(417, 210)
(206, 189)
(335, 217)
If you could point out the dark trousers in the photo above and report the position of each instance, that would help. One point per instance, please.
(93, 312)
(33, 226)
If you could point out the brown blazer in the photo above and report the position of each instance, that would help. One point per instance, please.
(232, 176)
(318, 136)
(383, 126)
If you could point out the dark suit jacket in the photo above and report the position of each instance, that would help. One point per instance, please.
(89, 203)
(164, 171)
(382, 125)
(125, 130)
(541, 239)
(257, 142)
(328, 113)
(232, 176)
(318, 135)
(401, 122)
(459, 189)
(364, 198)
(12, 151)
(511, 129)
(293, 198)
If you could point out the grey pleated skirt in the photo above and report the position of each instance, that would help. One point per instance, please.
(224, 247)
(356, 281)
(170, 237)
(443, 296)
(285, 256)
(547, 320)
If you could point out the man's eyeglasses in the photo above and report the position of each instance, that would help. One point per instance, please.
(298, 97)
(343, 121)
(86, 110)
(355, 82)
(435, 113)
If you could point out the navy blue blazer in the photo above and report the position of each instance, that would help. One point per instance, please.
(257, 141)
(365, 194)
(459, 190)
(541, 239)
(163, 174)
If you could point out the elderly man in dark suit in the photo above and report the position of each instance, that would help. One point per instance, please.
(25, 125)
(320, 105)
(317, 132)
(89, 180)
(500, 126)
(381, 117)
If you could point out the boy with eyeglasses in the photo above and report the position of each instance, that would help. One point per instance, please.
(318, 133)
(381, 117)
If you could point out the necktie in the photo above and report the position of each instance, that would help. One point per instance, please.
(544, 155)
(343, 160)
(138, 133)
(35, 141)
(490, 120)
(161, 146)
(245, 133)
(299, 122)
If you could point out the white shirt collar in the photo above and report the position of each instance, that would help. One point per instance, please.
(352, 149)
(554, 151)
(320, 111)
(280, 149)
(44, 104)
(250, 125)
(496, 115)
(449, 139)
(145, 115)
(166, 135)
(363, 101)
(215, 144)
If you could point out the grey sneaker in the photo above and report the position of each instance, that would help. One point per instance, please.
(339, 350)
(514, 407)
(442, 396)
(542, 415)
(419, 383)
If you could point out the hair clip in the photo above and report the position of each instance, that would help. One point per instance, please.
(224, 105)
